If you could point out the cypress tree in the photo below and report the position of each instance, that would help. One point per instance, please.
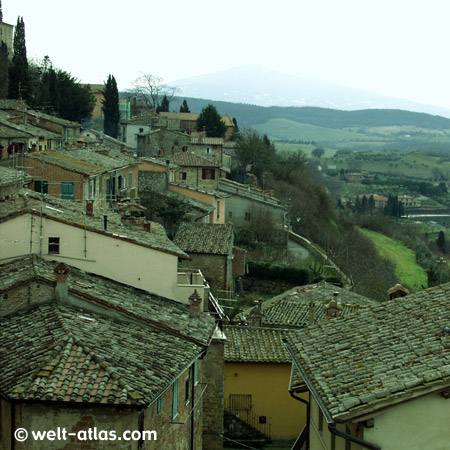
(110, 107)
(164, 106)
(4, 64)
(184, 108)
(440, 242)
(19, 77)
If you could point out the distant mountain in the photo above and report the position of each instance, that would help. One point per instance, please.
(264, 87)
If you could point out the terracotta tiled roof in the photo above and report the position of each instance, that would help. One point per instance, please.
(291, 309)
(255, 345)
(11, 104)
(191, 159)
(6, 126)
(386, 354)
(57, 353)
(87, 162)
(206, 140)
(205, 238)
(150, 181)
(193, 117)
(119, 346)
(10, 131)
(72, 213)
(10, 176)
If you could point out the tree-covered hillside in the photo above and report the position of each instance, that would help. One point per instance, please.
(249, 115)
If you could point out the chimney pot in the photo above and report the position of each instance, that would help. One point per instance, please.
(89, 207)
(195, 302)
(61, 272)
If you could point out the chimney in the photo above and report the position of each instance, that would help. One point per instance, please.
(255, 317)
(312, 308)
(61, 272)
(105, 222)
(89, 207)
(397, 291)
(200, 138)
(167, 174)
(147, 226)
(333, 309)
(195, 303)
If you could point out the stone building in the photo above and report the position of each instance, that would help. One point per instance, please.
(210, 247)
(196, 171)
(80, 352)
(162, 142)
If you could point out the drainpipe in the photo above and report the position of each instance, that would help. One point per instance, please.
(308, 413)
(332, 424)
(191, 374)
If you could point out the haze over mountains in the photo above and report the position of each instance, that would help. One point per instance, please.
(265, 87)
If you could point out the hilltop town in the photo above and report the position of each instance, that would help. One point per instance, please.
(175, 280)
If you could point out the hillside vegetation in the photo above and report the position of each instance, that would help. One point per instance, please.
(356, 130)
(407, 271)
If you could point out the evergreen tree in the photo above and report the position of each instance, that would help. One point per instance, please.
(184, 108)
(364, 204)
(4, 64)
(1, 12)
(371, 203)
(164, 106)
(19, 77)
(210, 119)
(110, 107)
(57, 91)
(440, 242)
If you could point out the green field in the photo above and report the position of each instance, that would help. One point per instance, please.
(289, 147)
(411, 164)
(407, 271)
(356, 138)
(282, 129)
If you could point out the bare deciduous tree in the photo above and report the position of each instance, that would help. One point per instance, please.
(150, 90)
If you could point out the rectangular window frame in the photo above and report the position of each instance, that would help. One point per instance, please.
(41, 186)
(54, 245)
(208, 174)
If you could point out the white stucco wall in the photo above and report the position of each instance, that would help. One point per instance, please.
(423, 423)
(128, 263)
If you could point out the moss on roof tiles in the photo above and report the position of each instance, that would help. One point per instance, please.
(255, 345)
(51, 351)
(205, 238)
(386, 353)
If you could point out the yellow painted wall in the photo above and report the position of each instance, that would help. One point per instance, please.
(268, 384)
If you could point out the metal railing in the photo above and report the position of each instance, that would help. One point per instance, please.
(240, 405)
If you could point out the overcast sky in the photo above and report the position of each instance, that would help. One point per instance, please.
(399, 48)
